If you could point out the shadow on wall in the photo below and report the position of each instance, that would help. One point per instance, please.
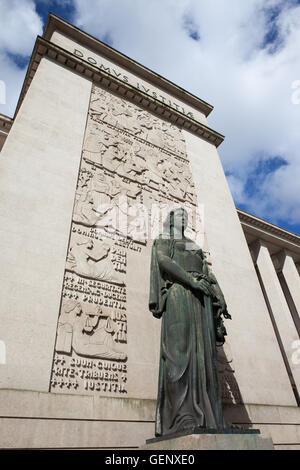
(235, 412)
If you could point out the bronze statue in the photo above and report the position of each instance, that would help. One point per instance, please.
(185, 293)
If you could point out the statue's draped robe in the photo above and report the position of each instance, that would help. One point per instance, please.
(188, 392)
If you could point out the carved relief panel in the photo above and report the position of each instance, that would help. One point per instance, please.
(134, 169)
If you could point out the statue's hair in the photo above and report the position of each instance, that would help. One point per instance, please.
(168, 225)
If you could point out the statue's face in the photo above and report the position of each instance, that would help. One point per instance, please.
(180, 219)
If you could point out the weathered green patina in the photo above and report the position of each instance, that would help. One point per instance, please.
(185, 293)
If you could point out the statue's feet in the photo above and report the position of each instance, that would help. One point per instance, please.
(186, 425)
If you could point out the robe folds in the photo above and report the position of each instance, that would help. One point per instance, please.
(188, 390)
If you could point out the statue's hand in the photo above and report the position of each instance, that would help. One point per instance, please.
(202, 286)
(222, 309)
(226, 314)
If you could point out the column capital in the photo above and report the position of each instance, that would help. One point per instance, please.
(255, 247)
(280, 257)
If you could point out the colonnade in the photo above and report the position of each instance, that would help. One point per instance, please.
(280, 282)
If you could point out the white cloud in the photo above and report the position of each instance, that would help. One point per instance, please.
(19, 26)
(250, 86)
(13, 77)
(237, 188)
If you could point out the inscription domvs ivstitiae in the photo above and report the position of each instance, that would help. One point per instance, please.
(121, 76)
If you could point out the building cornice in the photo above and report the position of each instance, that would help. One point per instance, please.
(269, 232)
(45, 48)
(56, 23)
(5, 126)
(5, 123)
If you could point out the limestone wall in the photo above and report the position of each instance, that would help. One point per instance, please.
(38, 174)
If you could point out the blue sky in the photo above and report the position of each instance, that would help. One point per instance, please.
(241, 56)
(65, 9)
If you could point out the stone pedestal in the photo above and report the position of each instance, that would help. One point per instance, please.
(212, 440)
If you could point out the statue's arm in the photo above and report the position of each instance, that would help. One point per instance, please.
(174, 271)
(218, 294)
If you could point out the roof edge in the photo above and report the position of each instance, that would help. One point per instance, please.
(50, 50)
(55, 22)
(272, 229)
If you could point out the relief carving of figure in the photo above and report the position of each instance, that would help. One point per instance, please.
(172, 183)
(115, 111)
(95, 263)
(125, 114)
(133, 164)
(94, 203)
(101, 201)
(172, 138)
(182, 180)
(150, 127)
(113, 158)
(99, 143)
(137, 222)
(153, 175)
(89, 334)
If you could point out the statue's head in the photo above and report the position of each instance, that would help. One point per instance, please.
(176, 221)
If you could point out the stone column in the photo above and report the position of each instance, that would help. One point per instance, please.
(252, 339)
(278, 307)
(291, 277)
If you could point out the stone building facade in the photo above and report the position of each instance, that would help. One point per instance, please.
(99, 150)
